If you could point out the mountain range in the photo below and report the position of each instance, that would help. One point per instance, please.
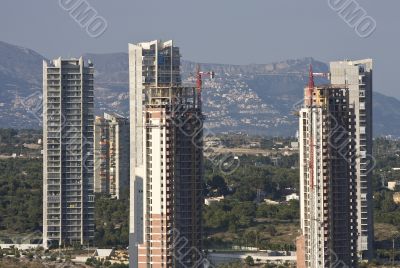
(254, 98)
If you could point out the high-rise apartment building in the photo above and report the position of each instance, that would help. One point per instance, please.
(166, 160)
(111, 155)
(357, 76)
(68, 121)
(327, 178)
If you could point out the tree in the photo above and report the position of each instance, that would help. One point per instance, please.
(244, 212)
(388, 204)
(217, 184)
(249, 260)
(271, 230)
(112, 226)
(244, 193)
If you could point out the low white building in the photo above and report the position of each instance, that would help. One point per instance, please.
(293, 196)
(392, 185)
(271, 202)
(210, 200)
(294, 145)
(103, 253)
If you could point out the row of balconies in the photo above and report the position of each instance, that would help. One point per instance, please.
(53, 83)
(53, 210)
(53, 234)
(53, 123)
(51, 106)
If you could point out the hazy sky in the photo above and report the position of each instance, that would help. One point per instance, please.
(220, 31)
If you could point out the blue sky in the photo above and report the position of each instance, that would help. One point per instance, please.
(220, 31)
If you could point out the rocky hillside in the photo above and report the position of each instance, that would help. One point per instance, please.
(255, 98)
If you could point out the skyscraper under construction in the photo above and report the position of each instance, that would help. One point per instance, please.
(166, 160)
(357, 76)
(328, 201)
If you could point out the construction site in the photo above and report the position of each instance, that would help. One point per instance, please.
(167, 135)
(327, 178)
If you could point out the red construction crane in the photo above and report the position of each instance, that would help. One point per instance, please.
(310, 87)
(199, 81)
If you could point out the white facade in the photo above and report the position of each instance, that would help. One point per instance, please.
(327, 195)
(312, 190)
(392, 185)
(166, 162)
(293, 196)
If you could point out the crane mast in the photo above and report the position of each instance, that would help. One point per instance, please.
(199, 81)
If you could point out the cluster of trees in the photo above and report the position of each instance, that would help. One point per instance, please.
(20, 195)
(21, 211)
(112, 221)
(239, 213)
(254, 175)
(18, 136)
(104, 264)
(387, 156)
(386, 210)
(283, 212)
(238, 140)
(12, 140)
(230, 214)
(253, 225)
(243, 214)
